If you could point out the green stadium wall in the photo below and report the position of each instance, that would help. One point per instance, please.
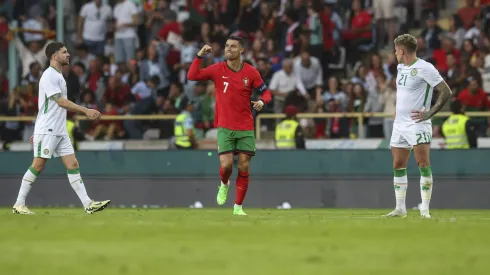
(309, 163)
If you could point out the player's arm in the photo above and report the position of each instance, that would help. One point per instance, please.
(265, 93)
(444, 96)
(434, 79)
(195, 72)
(70, 106)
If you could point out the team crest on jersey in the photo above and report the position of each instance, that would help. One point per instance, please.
(245, 81)
(413, 72)
(46, 151)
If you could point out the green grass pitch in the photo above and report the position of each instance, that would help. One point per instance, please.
(212, 241)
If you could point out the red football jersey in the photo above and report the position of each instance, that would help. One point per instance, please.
(233, 92)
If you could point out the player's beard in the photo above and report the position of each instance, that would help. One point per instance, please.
(231, 57)
(64, 62)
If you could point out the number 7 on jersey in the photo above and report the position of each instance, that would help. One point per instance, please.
(226, 87)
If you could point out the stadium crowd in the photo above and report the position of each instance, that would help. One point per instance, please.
(132, 57)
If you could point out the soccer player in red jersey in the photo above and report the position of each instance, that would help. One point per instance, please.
(234, 82)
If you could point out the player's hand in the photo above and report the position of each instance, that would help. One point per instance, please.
(205, 50)
(420, 116)
(92, 114)
(258, 105)
(31, 140)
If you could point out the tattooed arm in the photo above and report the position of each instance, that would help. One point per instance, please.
(70, 106)
(444, 95)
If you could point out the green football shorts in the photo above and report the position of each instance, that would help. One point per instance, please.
(231, 141)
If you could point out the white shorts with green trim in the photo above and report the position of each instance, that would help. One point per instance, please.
(407, 136)
(48, 146)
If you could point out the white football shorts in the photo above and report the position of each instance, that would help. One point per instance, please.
(48, 146)
(407, 136)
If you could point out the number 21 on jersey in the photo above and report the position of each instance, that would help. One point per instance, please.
(226, 87)
(403, 80)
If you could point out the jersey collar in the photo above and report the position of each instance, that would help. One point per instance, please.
(241, 67)
(415, 61)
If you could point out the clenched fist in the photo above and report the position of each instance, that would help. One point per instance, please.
(205, 50)
(92, 114)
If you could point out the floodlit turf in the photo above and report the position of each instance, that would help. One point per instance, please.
(212, 241)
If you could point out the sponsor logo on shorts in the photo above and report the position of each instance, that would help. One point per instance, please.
(50, 130)
(413, 72)
(46, 151)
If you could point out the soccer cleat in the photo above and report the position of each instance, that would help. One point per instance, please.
(96, 206)
(22, 210)
(396, 213)
(237, 210)
(222, 193)
(425, 214)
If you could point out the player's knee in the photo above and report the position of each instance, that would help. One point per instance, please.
(226, 165)
(243, 166)
(423, 163)
(398, 164)
(38, 165)
(72, 164)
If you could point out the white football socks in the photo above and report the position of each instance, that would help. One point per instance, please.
(27, 181)
(400, 183)
(77, 185)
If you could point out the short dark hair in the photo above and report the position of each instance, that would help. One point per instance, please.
(52, 48)
(237, 38)
(456, 106)
(155, 80)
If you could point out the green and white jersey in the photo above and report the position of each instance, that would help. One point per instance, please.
(414, 86)
(51, 119)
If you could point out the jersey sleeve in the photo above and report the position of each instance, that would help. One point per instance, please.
(53, 86)
(431, 75)
(195, 72)
(258, 83)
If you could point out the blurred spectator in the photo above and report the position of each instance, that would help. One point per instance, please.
(93, 24)
(72, 83)
(453, 76)
(388, 99)
(468, 13)
(118, 95)
(83, 55)
(359, 31)
(357, 101)
(34, 74)
(34, 52)
(384, 11)
(144, 93)
(4, 28)
(126, 20)
(440, 54)
(431, 33)
(456, 30)
(314, 26)
(423, 51)
(309, 75)
(293, 32)
(333, 92)
(283, 84)
(474, 32)
(474, 98)
(157, 17)
(374, 104)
